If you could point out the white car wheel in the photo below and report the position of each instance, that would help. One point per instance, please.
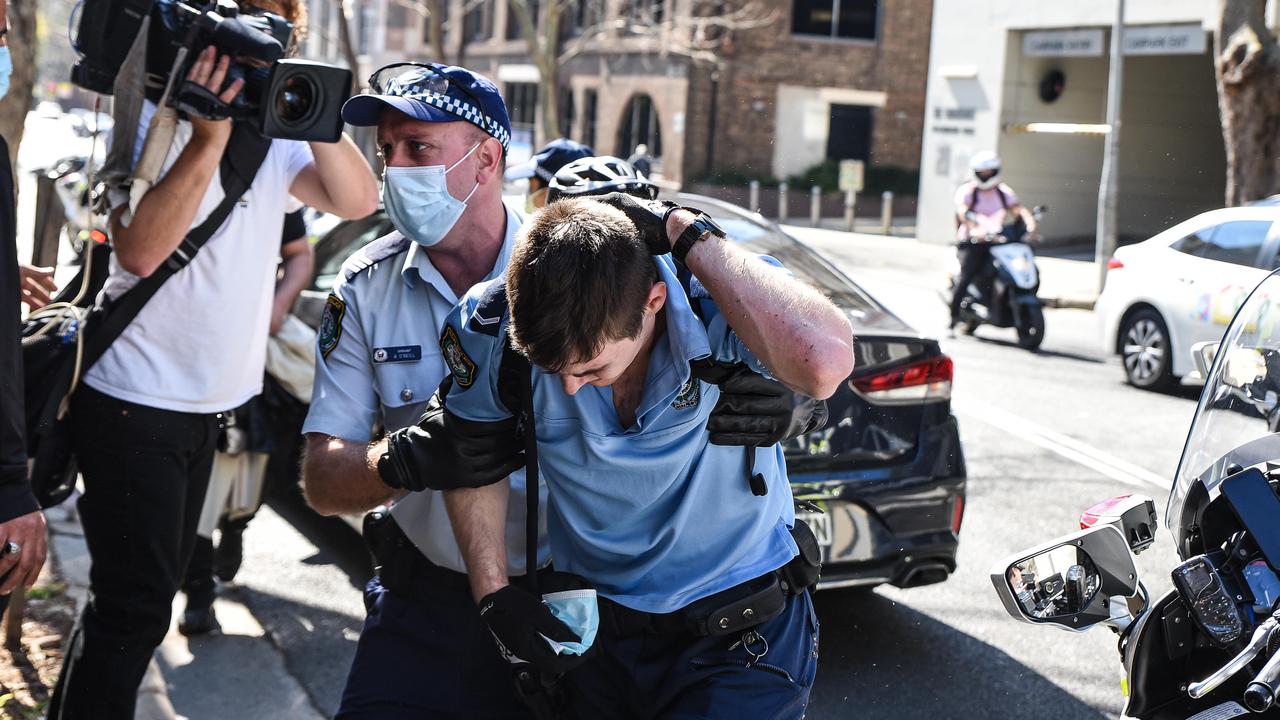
(1144, 348)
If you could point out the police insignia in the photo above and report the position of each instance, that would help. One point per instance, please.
(689, 395)
(331, 324)
(462, 367)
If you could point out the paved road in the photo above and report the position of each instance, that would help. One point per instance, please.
(1045, 435)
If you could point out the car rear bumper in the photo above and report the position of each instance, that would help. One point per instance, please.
(896, 524)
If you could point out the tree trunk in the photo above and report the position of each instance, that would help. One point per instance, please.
(22, 48)
(1247, 63)
(543, 41)
(348, 48)
(435, 30)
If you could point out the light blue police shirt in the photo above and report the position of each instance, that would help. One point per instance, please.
(379, 360)
(653, 515)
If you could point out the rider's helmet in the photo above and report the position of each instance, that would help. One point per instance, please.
(986, 169)
(598, 176)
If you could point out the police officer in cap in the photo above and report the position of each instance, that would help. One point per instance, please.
(542, 167)
(442, 133)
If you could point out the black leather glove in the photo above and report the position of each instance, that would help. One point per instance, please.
(445, 452)
(756, 411)
(518, 620)
(649, 216)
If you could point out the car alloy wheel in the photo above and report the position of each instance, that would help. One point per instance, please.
(1145, 350)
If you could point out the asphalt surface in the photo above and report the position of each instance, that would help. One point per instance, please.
(1045, 435)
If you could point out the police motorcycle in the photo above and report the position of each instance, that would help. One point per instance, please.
(1004, 293)
(1209, 647)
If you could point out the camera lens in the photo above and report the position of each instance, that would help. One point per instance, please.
(296, 100)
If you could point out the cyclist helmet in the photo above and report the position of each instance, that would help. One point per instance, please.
(986, 169)
(599, 175)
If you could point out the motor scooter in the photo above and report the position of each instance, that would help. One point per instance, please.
(1210, 647)
(1004, 293)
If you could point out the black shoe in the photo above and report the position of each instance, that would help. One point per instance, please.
(198, 621)
(229, 553)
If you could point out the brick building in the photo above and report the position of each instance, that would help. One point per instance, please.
(797, 82)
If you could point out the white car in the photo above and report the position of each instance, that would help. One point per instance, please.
(1182, 287)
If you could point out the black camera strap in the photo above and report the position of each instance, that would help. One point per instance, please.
(246, 150)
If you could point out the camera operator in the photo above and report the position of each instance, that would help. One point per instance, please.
(146, 420)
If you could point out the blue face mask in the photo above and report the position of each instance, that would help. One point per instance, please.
(578, 610)
(418, 202)
(6, 69)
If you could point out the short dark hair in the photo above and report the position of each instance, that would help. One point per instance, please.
(579, 277)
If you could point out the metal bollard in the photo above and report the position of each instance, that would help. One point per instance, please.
(753, 204)
(850, 200)
(815, 206)
(782, 202)
(886, 213)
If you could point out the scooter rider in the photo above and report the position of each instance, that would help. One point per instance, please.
(984, 206)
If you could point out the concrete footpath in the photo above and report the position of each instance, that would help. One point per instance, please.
(236, 673)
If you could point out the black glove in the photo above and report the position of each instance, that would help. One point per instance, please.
(649, 217)
(445, 452)
(756, 411)
(518, 620)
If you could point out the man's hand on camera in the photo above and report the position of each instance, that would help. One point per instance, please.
(649, 217)
(209, 71)
(445, 452)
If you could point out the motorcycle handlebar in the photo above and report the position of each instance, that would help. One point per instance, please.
(1256, 643)
(1261, 693)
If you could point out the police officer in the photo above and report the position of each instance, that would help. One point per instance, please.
(544, 164)
(442, 133)
(690, 561)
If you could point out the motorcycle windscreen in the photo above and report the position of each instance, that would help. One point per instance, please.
(1239, 406)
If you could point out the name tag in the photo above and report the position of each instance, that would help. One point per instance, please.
(398, 353)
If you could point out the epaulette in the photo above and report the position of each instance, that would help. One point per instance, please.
(487, 317)
(373, 253)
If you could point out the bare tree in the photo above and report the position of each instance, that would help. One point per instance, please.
(348, 48)
(22, 49)
(1247, 62)
(698, 34)
(438, 24)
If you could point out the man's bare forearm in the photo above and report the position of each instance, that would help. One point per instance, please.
(804, 340)
(340, 476)
(165, 213)
(479, 518)
(295, 272)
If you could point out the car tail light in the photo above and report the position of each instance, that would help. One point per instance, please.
(1114, 264)
(924, 381)
(957, 513)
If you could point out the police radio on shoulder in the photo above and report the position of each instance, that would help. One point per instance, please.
(700, 229)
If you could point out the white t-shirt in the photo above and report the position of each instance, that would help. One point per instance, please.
(199, 344)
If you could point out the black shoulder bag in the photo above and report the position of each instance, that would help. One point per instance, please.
(54, 359)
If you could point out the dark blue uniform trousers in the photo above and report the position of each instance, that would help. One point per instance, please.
(427, 656)
(676, 675)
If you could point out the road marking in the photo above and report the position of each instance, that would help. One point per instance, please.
(1101, 462)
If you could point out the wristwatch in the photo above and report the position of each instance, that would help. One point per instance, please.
(700, 229)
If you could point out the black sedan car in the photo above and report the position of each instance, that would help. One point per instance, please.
(884, 481)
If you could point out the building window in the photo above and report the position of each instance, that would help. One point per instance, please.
(640, 127)
(477, 24)
(646, 12)
(566, 112)
(849, 132)
(850, 19)
(514, 29)
(367, 17)
(522, 105)
(589, 102)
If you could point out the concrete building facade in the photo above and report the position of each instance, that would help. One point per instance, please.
(1028, 79)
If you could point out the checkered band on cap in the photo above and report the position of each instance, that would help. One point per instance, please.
(462, 109)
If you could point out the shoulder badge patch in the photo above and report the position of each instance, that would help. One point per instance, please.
(462, 366)
(689, 395)
(331, 324)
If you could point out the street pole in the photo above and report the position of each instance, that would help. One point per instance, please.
(1106, 240)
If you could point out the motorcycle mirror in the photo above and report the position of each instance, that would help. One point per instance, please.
(1133, 515)
(1066, 582)
(1202, 355)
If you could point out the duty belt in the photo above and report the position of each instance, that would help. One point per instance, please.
(729, 611)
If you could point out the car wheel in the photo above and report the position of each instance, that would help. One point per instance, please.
(1031, 329)
(1145, 350)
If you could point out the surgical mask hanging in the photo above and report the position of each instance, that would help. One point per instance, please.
(6, 69)
(418, 202)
